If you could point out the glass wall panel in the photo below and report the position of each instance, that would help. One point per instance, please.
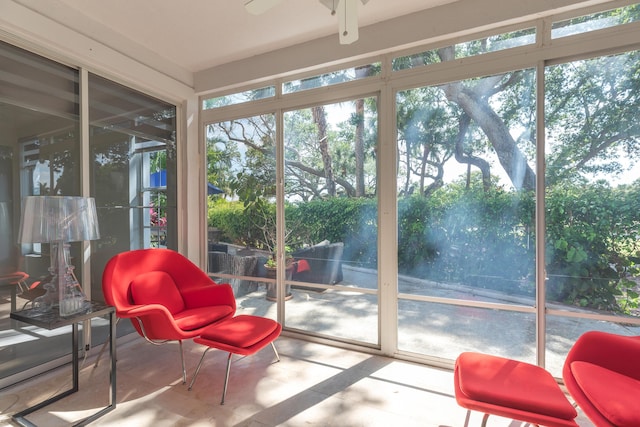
(466, 185)
(39, 155)
(239, 98)
(462, 50)
(132, 138)
(331, 219)
(241, 168)
(595, 21)
(593, 187)
(333, 78)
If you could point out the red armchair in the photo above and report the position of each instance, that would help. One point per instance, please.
(602, 374)
(165, 295)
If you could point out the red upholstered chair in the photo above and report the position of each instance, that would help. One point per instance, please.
(602, 374)
(165, 295)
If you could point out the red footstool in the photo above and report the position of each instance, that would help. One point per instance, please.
(243, 334)
(512, 389)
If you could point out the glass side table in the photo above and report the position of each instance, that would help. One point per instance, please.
(52, 320)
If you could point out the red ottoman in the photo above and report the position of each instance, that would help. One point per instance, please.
(243, 334)
(512, 389)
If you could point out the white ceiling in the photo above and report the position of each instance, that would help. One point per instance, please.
(199, 34)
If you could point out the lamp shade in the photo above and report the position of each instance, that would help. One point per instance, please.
(58, 219)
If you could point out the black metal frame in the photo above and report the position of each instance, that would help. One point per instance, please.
(52, 320)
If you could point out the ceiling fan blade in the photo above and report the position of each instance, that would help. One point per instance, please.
(348, 21)
(257, 7)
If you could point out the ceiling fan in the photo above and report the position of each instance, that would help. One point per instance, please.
(346, 11)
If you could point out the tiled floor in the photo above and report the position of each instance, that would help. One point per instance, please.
(312, 385)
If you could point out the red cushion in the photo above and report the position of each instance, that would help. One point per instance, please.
(241, 331)
(157, 287)
(512, 384)
(613, 394)
(194, 318)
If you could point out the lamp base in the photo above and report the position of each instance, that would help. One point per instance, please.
(71, 298)
(72, 305)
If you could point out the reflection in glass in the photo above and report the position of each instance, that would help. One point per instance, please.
(133, 171)
(39, 155)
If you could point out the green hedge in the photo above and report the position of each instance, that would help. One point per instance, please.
(484, 239)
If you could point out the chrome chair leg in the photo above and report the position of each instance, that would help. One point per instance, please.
(195, 374)
(184, 370)
(226, 378)
(275, 351)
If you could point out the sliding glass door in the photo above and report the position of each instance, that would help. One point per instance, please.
(466, 235)
(592, 199)
(39, 155)
(132, 170)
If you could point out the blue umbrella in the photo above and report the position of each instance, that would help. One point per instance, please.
(212, 189)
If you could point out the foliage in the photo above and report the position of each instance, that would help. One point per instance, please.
(484, 238)
(591, 245)
(229, 218)
(457, 226)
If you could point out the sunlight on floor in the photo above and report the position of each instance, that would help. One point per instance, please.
(312, 385)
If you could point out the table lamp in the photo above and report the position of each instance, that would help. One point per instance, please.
(58, 220)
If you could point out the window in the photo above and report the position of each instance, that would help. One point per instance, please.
(331, 218)
(133, 170)
(466, 185)
(467, 49)
(239, 98)
(592, 191)
(595, 21)
(459, 189)
(333, 78)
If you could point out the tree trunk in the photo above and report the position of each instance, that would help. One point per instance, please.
(510, 157)
(359, 148)
(320, 120)
(473, 102)
(361, 72)
(478, 162)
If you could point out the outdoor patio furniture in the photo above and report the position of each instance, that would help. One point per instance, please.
(244, 335)
(165, 295)
(324, 263)
(512, 389)
(602, 374)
